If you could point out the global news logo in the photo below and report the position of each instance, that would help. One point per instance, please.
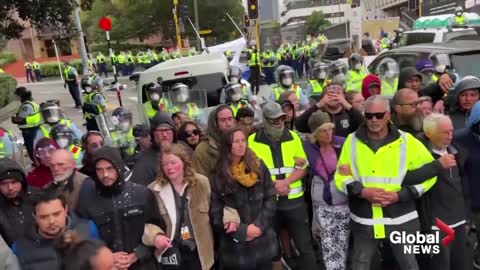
(419, 243)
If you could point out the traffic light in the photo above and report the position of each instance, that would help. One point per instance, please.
(252, 6)
(246, 21)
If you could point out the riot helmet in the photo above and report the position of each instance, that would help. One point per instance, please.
(62, 135)
(180, 93)
(285, 76)
(355, 61)
(441, 62)
(86, 84)
(320, 71)
(23, 93)
(388, 68)
(233, 91)
(234, 74)
(154, 91)
(140, 130)
(338, 71)
(51, 112)
(122, 118)
(458, 11)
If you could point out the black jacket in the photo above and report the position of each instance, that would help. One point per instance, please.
(146, 167)
(346, 121)
(255, 205)
(432, 90)
(35, 253)
(446, 199)
(120, 211)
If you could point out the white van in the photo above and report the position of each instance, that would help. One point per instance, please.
(207, 71)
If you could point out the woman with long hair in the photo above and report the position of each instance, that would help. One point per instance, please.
(331, 215)
(183, 198)
(242, 182)
(190, 134)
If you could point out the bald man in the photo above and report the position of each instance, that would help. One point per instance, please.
(406, 115)
(66, 179)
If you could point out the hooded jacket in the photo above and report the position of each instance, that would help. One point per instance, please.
(467, 139)
(146, 168)
(369, 79)
(458, 115)
(15, 215)
(206, 154)
(120, 211)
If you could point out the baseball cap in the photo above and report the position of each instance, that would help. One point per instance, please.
(272, 110)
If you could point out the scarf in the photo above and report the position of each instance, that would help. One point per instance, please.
(241, 176)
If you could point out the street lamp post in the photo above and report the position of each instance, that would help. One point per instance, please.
(81, 41)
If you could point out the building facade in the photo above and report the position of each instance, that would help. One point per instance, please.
(297, 11)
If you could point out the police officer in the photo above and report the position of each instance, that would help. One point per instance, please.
(141, 133)
(63, 137)
(37, 71)
(90, 62)
(268, 64)
(94, 104)
(388, 73)
(235, 97)
(71, 80)
(122, 138)
(7, 144)
(318, 79)
(384, 42)
(156, 102)
(181, 101)
(29, 72)
(95, 80)
(338, 72)
(52, 115)
(164, 56)
(130, 63)
(254, 63)
(235, 76)
(28, 118)
(286, 82)
(114, 58)
(140, 56)
(101, 64)
(357, 72)
(459, 18)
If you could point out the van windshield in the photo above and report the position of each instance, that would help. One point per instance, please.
(416, 38)
(466, 64)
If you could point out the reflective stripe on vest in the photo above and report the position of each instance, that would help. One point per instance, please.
(34, 119)
(288, 150)
(89, 99)
(3, 152)
(120, 140)
(192, 111)
(253, 60)
(46, 128)
(150, 111)
(100, 59)
(279, 91)
(69, 75)
(460, 20)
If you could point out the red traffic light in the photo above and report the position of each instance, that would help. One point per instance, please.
(105, 24)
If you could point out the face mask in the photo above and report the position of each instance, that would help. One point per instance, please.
(155, 97)
(287, 82)
(322, 75)
(358, 66)
(440, 68)
(458, 14)
(62, 142)
(62, 178)
(182, 98)
(339, 78)
(88, 89)
(233, 79)
(52, 120)
(274, 132)
(124, 126)
(236, 97)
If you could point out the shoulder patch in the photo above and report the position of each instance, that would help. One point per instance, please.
(75, 149)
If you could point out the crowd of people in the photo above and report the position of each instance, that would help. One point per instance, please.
(320, 182)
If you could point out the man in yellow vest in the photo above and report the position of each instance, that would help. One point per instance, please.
(282, 152)
(373, 164)
(318, 79)
(122, 63)
(164, 56)
(101, 64)
(29, 72)
(37, 71)
(285, 82)
(181, 102)
(122, 137)
(388, 73)
(459, 18)
(130, 63)
(254, 63)
(268, 64)
(7, 144)
(235, 98)
(357, 72)
(156, 102)
(71, 80)
(28, 118)
(63, 137)
(94, 104)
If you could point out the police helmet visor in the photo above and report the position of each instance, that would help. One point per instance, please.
(338, 70)
(355, 60)
(52, 114)
(390, 68)
(233, 90)
(286, 74)
(320, 72)
(440, 60)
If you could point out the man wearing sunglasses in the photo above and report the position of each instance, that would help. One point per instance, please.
(406, 114)
(374, 162)
(332, 101)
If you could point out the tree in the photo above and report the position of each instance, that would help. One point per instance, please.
(54, 15)
(316, 22)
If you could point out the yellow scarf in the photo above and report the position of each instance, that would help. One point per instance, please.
(243, 178)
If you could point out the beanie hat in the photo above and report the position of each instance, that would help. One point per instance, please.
(318, 119)
(162, 119)
(13, 174)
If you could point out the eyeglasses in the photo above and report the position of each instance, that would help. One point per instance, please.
(43, 152)
(413, 104)
(194, 132)
(378, 115)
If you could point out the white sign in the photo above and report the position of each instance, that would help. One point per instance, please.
(356, 22)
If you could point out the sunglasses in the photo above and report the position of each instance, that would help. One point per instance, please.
(194, 132)
(378, 115)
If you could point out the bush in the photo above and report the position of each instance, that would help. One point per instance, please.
(7, 89)
(50, 69)
(7, 57)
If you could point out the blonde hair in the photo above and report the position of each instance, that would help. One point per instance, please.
(313, 137)
(179, 151)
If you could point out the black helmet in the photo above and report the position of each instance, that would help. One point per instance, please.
(337, 67)
(122, 114)
(153, 91)
(354, 60)
(23, 93)
(141, 130)
(467, 83)
(86, 84)
(62, 135)
(51, 112)
(234, 71)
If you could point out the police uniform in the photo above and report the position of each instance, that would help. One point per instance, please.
(254, 64)
(97, 99)
(279, 90)
(268, 64)
(77, 154)
(45, 128)
(125, 142)
(150, 111)
(37, 71)
(6, 144)
(316, 87)
(190, 109)
(237, 106)
(122, 61)
(130, 63)
(29, 72)
(102, 65)
(71, 80)
(389, 89)
(30, 111)
(355, 79)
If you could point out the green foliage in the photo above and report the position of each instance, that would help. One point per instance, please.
(7, 58)
(316, 22)
(7, 89)
(50, 69)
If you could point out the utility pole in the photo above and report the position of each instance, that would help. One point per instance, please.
(197, 23)
(177, 28)
(81, 41)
